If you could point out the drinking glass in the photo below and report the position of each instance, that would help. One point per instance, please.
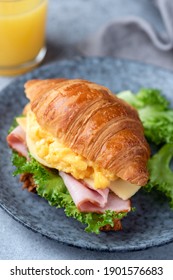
(22, 35)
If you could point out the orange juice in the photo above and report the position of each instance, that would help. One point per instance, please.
(22, 34)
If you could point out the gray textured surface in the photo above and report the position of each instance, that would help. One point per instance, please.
(69, 22)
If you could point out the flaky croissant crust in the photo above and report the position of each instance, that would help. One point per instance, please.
(94, 123)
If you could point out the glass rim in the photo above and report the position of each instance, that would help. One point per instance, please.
(7, 1)
(10, 4)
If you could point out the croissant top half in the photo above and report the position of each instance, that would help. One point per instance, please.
(94, 123)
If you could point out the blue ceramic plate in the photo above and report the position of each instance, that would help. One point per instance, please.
(151, 224)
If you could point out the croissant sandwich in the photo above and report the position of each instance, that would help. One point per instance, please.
(82, 148)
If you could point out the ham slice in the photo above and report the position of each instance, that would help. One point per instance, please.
(81, 194)
(17, 141)
(114, 203)
(89, 200)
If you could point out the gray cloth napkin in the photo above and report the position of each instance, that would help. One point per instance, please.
(134, 38)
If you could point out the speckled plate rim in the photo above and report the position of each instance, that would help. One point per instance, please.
(34, 74)
(120, 249)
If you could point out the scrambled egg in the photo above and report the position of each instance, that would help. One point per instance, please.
(49, 151)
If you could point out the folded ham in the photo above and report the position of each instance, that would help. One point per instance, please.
(87, 199)
(17, 141)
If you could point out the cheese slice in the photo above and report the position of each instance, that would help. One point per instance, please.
(22, 122)
(121, 188)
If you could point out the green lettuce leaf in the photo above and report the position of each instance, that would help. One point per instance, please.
(154, 112)
(161, 175)
(51, 187)
(145, 97)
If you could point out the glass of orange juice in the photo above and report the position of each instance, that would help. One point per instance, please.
(22, 35)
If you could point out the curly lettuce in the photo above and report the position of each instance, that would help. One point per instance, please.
(161, 175)
(154, 112)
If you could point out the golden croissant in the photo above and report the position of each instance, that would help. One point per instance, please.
(94, 123)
